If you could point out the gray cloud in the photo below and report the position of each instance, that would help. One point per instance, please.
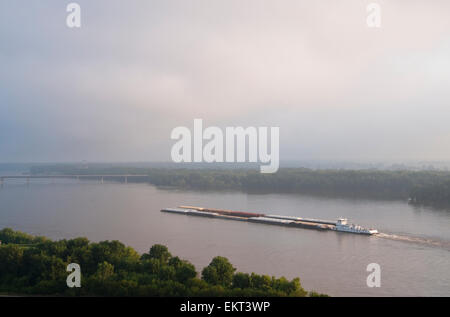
(115, 88)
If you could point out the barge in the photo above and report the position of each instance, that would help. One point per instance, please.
(341, 225)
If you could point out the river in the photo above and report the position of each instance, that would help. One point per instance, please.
(412, 249)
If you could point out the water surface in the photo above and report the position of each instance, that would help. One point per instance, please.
(413, 249)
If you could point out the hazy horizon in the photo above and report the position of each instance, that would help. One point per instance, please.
(23, 167)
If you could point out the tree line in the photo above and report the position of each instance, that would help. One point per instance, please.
(37, 266)
(422, 187)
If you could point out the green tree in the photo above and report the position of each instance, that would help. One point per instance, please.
(105, 271)
(110, 268)
(241, 280)
(11, 257)
(219, 272)
(183, 269)
(262, 282)
(159, 252)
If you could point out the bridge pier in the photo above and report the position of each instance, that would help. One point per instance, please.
(126, 179)
(1, 182)
(101, 180)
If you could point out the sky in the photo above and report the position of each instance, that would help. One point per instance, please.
(113, 89)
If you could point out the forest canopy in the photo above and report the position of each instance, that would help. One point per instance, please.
(32, 265)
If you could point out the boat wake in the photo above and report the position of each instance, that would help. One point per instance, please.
(417, 240)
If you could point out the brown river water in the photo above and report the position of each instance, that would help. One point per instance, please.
(413, 248)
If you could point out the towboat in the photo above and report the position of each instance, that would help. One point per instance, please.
(343, 225)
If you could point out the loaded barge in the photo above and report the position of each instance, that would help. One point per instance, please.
(341, 224)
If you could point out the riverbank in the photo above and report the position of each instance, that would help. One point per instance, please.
(418, 187)
(109, 268)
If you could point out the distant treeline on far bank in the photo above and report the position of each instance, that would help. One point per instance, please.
(420, 187)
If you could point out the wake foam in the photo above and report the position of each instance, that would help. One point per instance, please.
(417, 240)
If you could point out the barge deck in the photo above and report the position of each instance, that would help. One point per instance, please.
(289, 221)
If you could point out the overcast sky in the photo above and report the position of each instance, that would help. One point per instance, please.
(114, 89)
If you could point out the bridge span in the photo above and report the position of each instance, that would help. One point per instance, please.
(100, 177)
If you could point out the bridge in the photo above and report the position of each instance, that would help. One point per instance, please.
(100, 177)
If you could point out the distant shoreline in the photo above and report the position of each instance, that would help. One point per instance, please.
(431, 187)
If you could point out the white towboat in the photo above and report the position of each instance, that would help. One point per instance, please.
(343, 225)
